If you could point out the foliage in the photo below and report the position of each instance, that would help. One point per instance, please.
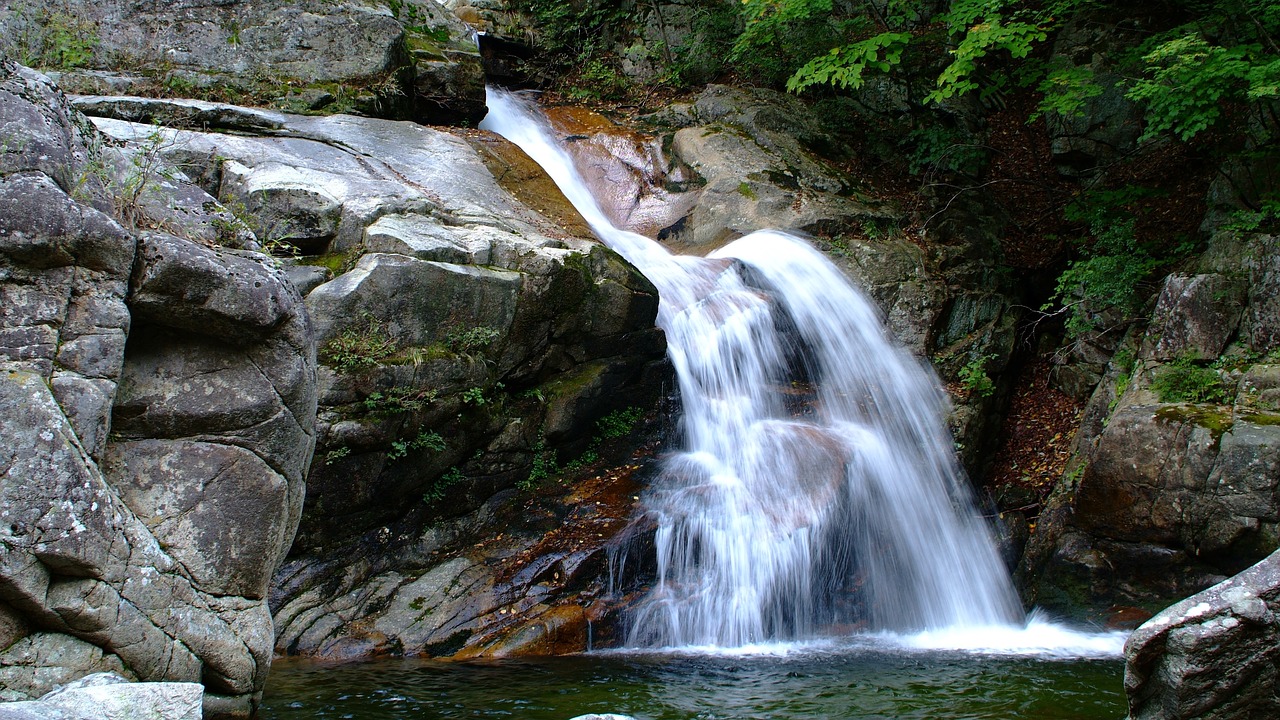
(474, 396)
(1112, 265)
(1187, 79)
(1264, 218)
(1208, 55)
(336, 454)
(703, 52)
(767, 22)
(423, 441)
(843, 66)
(1066, 89)
(599, 79)
(359, 347)
(1107, 277)
(619, 423)
(936, 148)
(1126, 361)
(974, 378)
(543, 468)
(977, 42)
(51, 35)
(534, 394)
(397, 400)
(471, 340)
(1184, 381)
(616, 425)
(879, 39)
(572, 31)
(129, 185)
(436, 491)
(778, 37)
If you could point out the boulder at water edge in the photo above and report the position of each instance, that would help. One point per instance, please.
(107, 696)
(1214, 655)
(1169, 495)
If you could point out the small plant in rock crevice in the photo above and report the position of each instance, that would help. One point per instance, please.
(474, 396)
(619, 423)
(436, 491)
(360, 347)
(974, 378)
(336, 454)
(50, 34)
(471, 340)
(616, 425)
(543, 468)
(1184, 381)
(397, 400)
(423, 441)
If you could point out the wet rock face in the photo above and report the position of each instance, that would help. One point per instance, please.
(409, 59)
(636, 184)
(1212, 655)
(147, 494)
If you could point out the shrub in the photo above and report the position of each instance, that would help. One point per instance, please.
(973, 376)
(1184, 381)
(435, 492)
(397, 400)
(619, 423)
(51, 35)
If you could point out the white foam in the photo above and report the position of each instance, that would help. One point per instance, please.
(1037, 638)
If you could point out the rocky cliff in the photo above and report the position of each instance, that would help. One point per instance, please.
(159, 398)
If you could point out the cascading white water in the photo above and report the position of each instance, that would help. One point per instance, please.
(816, 489)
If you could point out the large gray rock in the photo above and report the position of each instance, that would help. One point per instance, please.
(1212, 655)
(1257, 258)
(402, 59)
(1194, 318)
(753, 150)
(107, 696)
(149, 498)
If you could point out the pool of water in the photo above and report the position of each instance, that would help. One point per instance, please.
(849, 682)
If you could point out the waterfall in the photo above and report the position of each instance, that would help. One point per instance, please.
(815, 489)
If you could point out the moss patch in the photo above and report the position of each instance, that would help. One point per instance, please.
(337, 263)
(1216, 419)
(574, 385)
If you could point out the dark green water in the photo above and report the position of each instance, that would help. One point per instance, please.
(859, 683)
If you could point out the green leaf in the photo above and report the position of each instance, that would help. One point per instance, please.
(843, 67)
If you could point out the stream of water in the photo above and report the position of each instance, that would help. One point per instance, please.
(779, 521)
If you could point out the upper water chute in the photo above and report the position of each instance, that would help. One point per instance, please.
(815, 490)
